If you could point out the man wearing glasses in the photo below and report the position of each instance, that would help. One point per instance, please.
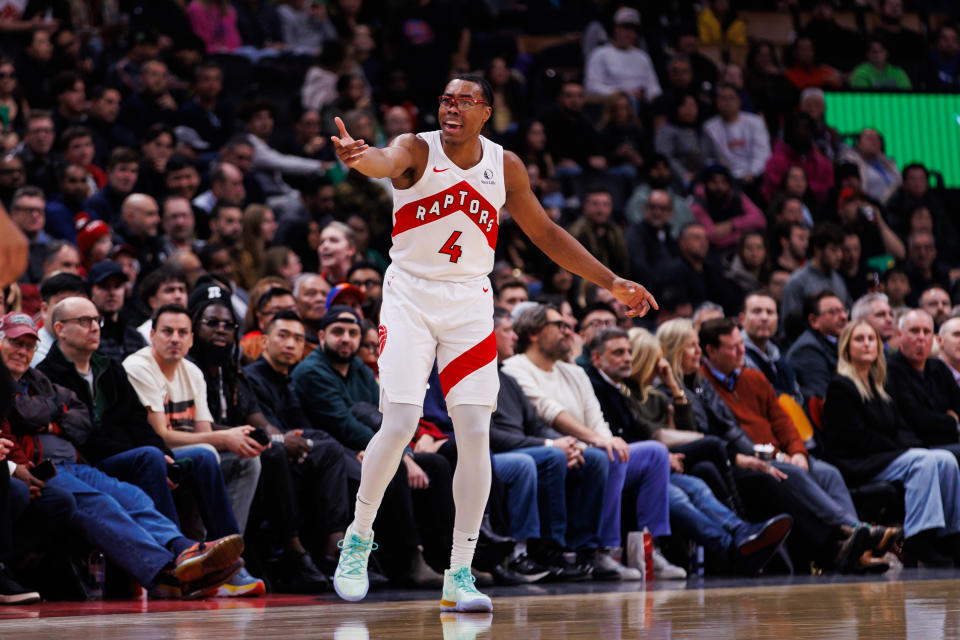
(118, 337)
(27, 210)
(449, 187)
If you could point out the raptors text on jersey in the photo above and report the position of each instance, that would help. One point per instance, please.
(445, 226)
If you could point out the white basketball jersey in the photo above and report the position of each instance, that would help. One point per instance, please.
(445, 226)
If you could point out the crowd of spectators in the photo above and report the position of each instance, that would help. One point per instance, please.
(194, 342)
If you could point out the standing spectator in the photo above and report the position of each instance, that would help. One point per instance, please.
(740, 139)
(876, 72)
(621, 65)
(879, 174)
(215, 22)
(797, 148)
(724, 211)
(118, 337)
(596, 231)
(659, 177)
(818, 274)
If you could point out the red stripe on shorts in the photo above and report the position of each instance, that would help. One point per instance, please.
(476, 357)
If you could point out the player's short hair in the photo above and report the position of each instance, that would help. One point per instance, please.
(480, 81)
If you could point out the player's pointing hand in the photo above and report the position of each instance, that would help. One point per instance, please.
(638, 300)
(348, 150)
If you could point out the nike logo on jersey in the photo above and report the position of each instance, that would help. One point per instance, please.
(435, 170)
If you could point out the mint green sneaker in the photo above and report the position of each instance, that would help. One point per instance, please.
(350, 579)
(459, 594)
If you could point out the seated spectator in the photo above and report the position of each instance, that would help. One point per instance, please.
(814, 104)
(338, 393)
(724, 211)
(63, 207)
(174, 393)
(759, 323)
(306, 26)
(718, 23)
(52, 290)
(118, 337)
(870, 440)
(226, 186)
(337, 250)
(563, 398)
(922, 267)
(853, 267)
(12, 177)
(116, 517)
(857, 213)
(78, 149)
(679, 82)
(621, 65)
(948, 340)
(156, 148)
(915, 193)
(368, 277)
(819, 273)
(511, 293)
(70, 95)
(793, 239)
(658, 177)
(875, 310)
(695, 277)
(624, 137)
(797, 148)
(178, 224)
(40, 162)
(681, 141)
(162, 286)
(748, 268)
(271, 302)
(216, 24)
(153, 103)
(740, 139)
(943, 67)
(572, 138)
(27, 211)
(806, 72)
(311, 293)
(687, 44)
(595, 230)
(752, 400)
(936, 302)
(139, 227)
(650, 242)
(838, 46)
(814, 355)
(876, 72)
(639, 411)
(908, 49)
(258, 119)
(706, 311)
(923, 387)
(61, 256)
(208, 112)
(773, 94)
(108, 133)
(123, 167)
(596, 317)
(878, 173)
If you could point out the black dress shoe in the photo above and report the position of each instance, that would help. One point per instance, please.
(760, 542)
(526, 569)
(920, 550)
(561, 569)
(489, 538)
(851, 548)
(298, 574)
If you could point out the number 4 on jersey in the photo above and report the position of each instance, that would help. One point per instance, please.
(450, 247)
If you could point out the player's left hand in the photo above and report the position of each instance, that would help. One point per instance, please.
(638, 300)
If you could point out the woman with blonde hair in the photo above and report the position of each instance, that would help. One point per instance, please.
(868, 439)
(259, 229)
(695, 511)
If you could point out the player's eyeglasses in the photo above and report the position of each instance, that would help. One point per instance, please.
(463, 104)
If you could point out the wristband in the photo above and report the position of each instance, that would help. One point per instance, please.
(548, 442)
(277, 438)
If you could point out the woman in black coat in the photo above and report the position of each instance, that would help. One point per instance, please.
(868, 439)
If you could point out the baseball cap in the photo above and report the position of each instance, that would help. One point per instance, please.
(343, 289)
(103, 270)
(626, 15)
(338, 313)
(205, 294)
(16, 324)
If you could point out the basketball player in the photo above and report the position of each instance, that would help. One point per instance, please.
(449, 186)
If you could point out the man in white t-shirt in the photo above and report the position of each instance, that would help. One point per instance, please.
(621, 65)
(174, 393)
(740, 138)
(563, 397)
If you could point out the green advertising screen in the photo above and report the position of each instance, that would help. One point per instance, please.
(917, 127)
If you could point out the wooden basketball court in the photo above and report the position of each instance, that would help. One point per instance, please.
(914, 605)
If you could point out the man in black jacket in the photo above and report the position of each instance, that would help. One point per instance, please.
(118, 337)
(923, 387)
(122, 443)
(814, 355)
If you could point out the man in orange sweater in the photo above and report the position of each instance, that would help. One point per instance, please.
(752, 400)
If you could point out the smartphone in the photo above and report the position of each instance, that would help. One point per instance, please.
(44, 471)
(261, 437)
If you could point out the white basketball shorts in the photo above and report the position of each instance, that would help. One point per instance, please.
(450, 322)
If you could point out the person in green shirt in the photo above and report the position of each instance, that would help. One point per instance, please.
(876, 73)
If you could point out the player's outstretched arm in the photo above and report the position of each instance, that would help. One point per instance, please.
(14, 250)
(560, 246)
(389, 162)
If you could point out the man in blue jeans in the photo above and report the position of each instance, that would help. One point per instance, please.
(564, 471)
(122, 442)
(116, 517)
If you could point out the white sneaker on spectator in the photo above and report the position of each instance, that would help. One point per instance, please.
(664, 570)
(603, 560)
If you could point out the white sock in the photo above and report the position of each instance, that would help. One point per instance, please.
(471, 480)
(381, 459)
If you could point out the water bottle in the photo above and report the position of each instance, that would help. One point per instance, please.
(97, 567)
